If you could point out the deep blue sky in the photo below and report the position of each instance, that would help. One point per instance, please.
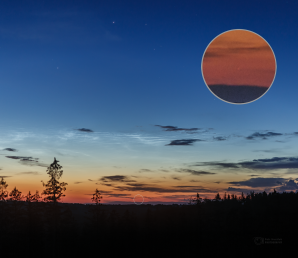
(119, 68)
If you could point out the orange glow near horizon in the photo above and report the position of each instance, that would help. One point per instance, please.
(80, 191)
(83, 195)
(239, 57)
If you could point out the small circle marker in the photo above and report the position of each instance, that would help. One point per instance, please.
(138, 199)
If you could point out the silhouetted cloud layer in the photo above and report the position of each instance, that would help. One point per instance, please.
(279, 184)
(273, 163)
(145, 170)
(218, 164)
(262, 135)
(219, 138)
(116, 178)
(183, 142)
(10, 149)
(154, 188)
(260, 182)
(288, 186)
(85, 130)
(29, 161)
(194, 172)
(29, 173)
(175, 128)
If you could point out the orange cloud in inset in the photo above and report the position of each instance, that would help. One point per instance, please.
(239, 57)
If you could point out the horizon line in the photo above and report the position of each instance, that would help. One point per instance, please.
(242, 85)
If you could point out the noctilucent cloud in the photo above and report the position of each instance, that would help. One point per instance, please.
(114, 91)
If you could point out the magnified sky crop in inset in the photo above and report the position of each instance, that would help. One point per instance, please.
(238, 58)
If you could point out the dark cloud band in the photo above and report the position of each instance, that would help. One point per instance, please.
(183, 142)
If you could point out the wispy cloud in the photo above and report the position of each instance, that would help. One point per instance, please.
(60, 27)
(186, 142)
(145, 170)
(219, 138)
(273, 163)
(175, 128)
(154, 188)
(116, 178)
(29, 161)
(195, 172)
(288, 186)
(217, 164)
(264, 136)
(29, 173)
(269, 151)
(260, 182)
(176, 178)
(85, 130)
(10, 149)
(258, 185)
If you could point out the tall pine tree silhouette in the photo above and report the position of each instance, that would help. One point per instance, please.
(54, 192)
(3, 193)
(95, 210)
(3, 209)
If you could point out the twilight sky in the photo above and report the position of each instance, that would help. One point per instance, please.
(114, 91)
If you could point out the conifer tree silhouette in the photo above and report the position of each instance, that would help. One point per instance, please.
(4, 193)
(242, 198)
(96, 210)
(217, 197)
(198, 203)
(225, 196)
(198, 200)
(95, 225)
(3, 210)
(54, 192)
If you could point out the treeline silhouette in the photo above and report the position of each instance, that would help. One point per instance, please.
(43, 227)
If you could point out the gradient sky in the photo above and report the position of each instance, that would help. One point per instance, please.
(114, 91)
(239, 57)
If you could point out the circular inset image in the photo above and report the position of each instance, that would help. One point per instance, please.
(238, 66)
(138, 199)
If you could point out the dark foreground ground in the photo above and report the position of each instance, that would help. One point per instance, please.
(249, 227)
(238, 94)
